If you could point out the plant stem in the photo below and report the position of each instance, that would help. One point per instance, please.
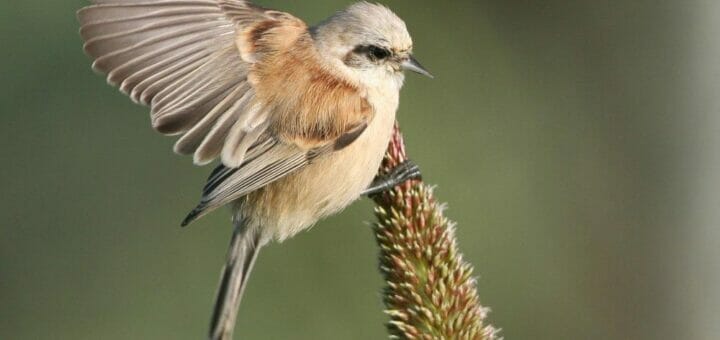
(430, 291)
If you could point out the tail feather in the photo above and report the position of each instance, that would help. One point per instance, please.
(244, 247)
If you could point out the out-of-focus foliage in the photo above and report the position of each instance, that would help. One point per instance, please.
(556, 131)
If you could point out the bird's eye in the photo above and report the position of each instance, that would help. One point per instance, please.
(377, 53)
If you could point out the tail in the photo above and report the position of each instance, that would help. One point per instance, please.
(244, 247)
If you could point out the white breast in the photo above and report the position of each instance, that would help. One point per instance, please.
(333, 182)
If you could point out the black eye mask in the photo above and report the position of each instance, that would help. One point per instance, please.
(373, 52)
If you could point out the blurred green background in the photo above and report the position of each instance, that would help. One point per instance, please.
(574, 141)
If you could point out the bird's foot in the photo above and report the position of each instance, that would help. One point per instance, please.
(401, 173)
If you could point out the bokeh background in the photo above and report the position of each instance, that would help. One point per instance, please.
(576, 143)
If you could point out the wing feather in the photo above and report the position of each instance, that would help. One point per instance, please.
(229, 184)
(212, 146)
(264, 163)
(180, 58)
(238, 81)
(206, 128)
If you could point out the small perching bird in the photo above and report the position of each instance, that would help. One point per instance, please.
(299, 116)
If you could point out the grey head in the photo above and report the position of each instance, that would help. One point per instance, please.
(368, 39)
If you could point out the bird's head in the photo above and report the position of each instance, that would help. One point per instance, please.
(370, 41)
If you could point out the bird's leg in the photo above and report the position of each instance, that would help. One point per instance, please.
(401, 173)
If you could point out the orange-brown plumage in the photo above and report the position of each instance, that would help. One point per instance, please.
(310, 103)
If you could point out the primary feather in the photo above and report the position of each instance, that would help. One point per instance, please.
(177, 56)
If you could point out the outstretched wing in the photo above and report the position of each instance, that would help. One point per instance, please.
(238, 81)
(180, 57)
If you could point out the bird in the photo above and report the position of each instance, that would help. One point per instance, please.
(297, 117)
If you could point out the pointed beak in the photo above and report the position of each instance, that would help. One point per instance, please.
(411, 64)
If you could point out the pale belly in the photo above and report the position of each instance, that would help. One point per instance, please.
(296, 202)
